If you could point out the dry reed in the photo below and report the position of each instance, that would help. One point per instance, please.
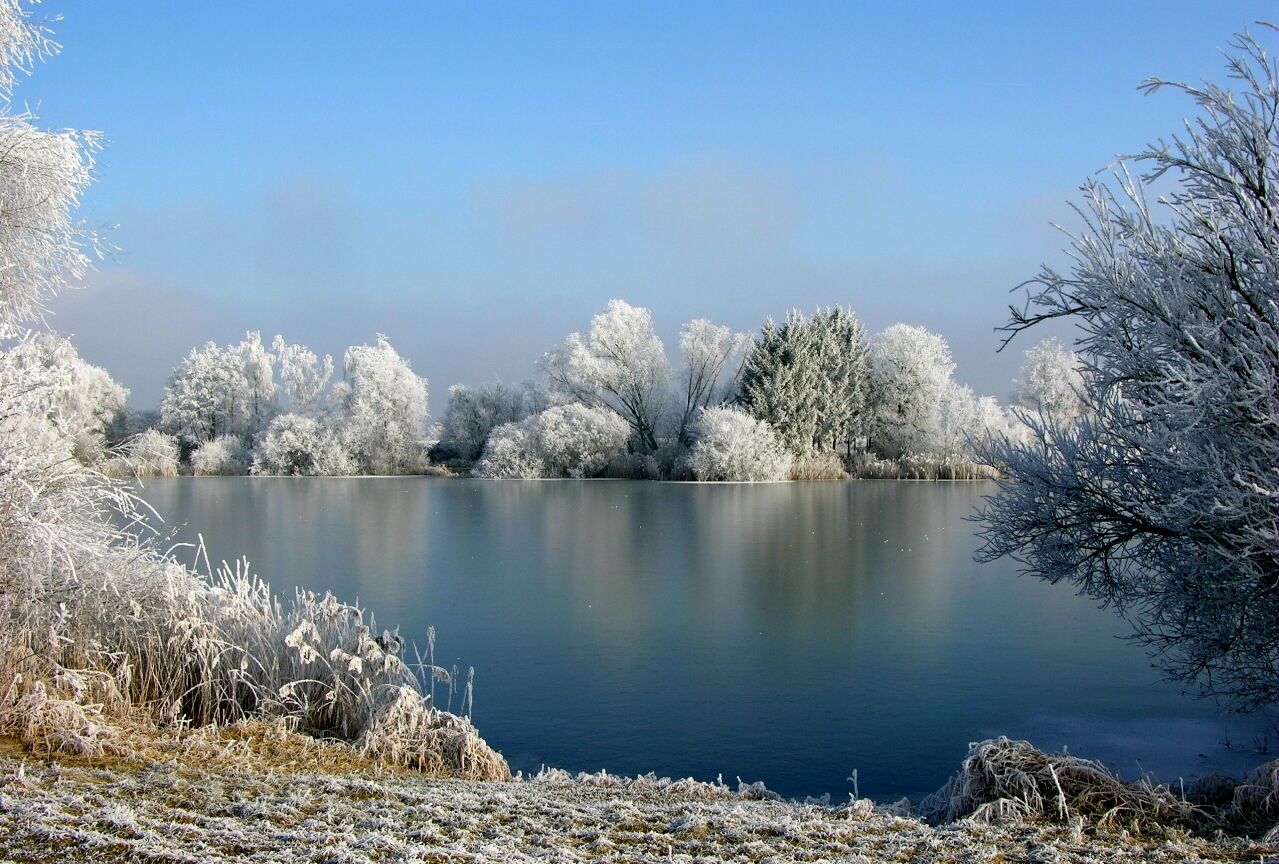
(1011, 781)
(825, 465)
(916, 466)
(98, 626)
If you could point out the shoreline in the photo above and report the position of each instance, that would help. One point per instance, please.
(254, 791)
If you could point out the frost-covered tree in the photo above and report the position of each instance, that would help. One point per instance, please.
(1051, 381)
(77, 397)
(41, 177)
(732, 445)
(304, 375)
(221, 391)
(261, 394)
(965, 420)
(472, 415)
(909, 377)
(711, 355)
(572, 440)
(807, 378)
(620, 364)
(1162, 500)
(384, 410)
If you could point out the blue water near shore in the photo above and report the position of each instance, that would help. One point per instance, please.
(787, 632)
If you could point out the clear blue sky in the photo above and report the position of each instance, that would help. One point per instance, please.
(476, 179)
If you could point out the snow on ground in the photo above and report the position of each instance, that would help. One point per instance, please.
(222, 800)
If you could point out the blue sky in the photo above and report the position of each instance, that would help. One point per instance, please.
(476, 179)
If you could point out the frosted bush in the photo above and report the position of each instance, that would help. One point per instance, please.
(224, 455)
(731, 445)
(384, 409)
(295, 444)
(578, 441)
(77, 397)
(563, 441)
(510, 455)
(909, 377)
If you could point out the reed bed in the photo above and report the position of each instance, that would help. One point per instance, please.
(916, 466)
(826, 465)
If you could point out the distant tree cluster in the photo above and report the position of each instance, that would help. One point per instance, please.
(808, 397)
(228, 414)
(811, 397)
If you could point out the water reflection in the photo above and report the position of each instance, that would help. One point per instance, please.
(784, 632)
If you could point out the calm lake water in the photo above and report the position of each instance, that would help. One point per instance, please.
(787, 632)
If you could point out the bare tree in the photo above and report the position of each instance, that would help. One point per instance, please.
(710, 357)
(1162, 501)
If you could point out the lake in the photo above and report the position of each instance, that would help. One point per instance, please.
(785, 632)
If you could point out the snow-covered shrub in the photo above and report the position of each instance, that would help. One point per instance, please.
(224, 455)
(510, 453)
(295, 444)
(578, 441)
(77, 397)
(563, 441)
(731, 445)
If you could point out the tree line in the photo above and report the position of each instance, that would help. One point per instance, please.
(808, 397)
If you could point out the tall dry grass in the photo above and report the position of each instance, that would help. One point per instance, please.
(826, 465)
(96, 625)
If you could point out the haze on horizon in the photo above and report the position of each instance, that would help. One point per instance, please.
(477, 179)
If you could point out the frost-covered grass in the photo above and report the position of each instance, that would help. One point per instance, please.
(255, 792)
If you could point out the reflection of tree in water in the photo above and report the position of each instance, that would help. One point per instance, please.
(354, 536)
(813, 552)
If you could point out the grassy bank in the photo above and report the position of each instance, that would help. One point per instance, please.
(255, 792)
